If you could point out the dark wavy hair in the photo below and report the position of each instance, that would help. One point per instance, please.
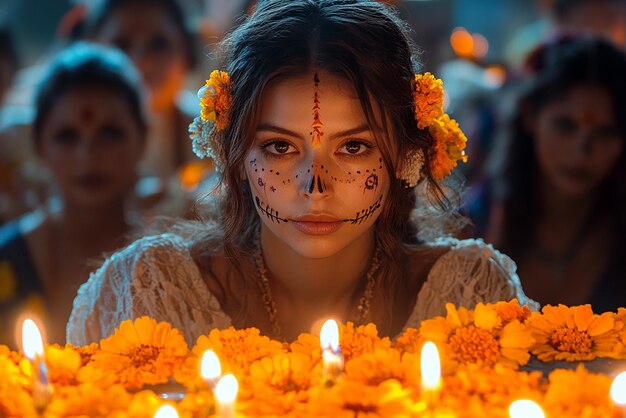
(554, 69)
(362, 42)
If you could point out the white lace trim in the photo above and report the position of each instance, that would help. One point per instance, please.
(165, 283)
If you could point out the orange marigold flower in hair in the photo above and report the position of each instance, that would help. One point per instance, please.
(216, 99)
(428, 98)
(572, 333)
(449, 146)
(141, 352)
(478, 337)
(579, 393)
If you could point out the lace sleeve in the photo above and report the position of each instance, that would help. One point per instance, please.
(154, 276)
(471, 272)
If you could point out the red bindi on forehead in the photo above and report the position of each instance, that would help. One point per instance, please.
(87, 115)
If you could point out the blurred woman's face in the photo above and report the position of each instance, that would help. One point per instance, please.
(577, 140)
(154, 43)
(91, 143)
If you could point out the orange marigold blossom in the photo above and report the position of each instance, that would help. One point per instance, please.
(410, 341)
(279, 385)
(85, 352)
(380, 365)
(572, 333)
(15, 399)
(478, 337)
(89, 400)
(353, 341)
(141, 352)
(428, 99)
(349, 399)
(510, 310)
(449, 146)
(236, 349)
(216, 99)
(579, 393)
(199, 404)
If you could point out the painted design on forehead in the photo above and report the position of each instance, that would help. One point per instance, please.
(364, 214)
(269, 212)
(316, 133)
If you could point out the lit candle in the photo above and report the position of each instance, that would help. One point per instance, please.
(166, 411)
(331, 353)
(618, 392)
(225, 396)
(431, 373)
(525, 408)
(210, 368)
(32, 345)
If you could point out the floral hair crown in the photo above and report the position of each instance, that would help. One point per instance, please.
(448, 147)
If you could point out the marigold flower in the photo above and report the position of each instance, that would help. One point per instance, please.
(141, 352)
(572, 334)
(410, 341)
(85, 352)
(89, 400)
(279, 385)
(236, 349)
(579, 393)
(350, 399)
(216, 99)
(449, 146)
(380, 365)
(478, 337)
(510, 310)
(353, 341)
(428, 98)
(15, 399)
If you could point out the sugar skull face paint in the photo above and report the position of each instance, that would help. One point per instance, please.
(316, 126)
(316, 199)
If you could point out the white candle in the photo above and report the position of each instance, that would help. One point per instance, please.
(331, 352)
(166, 411)
(32, 345)
(210, 368)
(525, 408)
(618, 392)
(431, 373)
(225, 396)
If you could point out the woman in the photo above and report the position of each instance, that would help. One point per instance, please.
(89, 132)
(559, 202)
(319, 154)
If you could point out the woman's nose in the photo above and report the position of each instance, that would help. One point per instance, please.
(316, 183)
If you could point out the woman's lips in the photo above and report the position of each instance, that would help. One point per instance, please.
(317, 224)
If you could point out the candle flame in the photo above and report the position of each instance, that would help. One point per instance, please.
(32, 344)
(618, 389)
(166, 411)
(525, 408)
(431, 366)
(226, 389)
(210, 367)
(329, 335)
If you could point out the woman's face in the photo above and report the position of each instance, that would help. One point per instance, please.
(577, 140)
(91, 143)
(315, 199)
(154, 43)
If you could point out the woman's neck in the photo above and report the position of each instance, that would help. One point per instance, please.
(312, 289)
(560, 211)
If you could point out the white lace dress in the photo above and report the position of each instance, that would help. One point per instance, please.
(156, 276)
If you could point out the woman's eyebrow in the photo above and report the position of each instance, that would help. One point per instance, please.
(277, 129)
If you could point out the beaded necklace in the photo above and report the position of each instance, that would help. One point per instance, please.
(363, 306)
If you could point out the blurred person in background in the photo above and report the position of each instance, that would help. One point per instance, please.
(556, 201)
(89, 132)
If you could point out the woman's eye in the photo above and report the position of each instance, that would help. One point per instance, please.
(111, 133)
(66, 136)
(354, 148)
(278, 148)
(565, 125)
